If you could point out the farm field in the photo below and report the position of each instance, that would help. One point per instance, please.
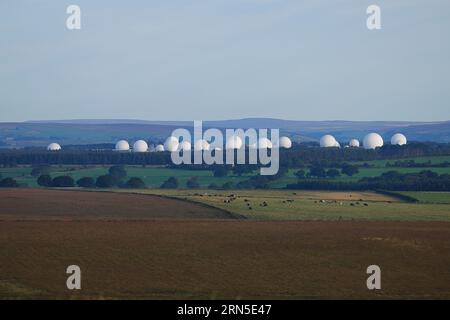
(154, 176)
(311, 205)
(224, 259)
(43, 204)
(135, 246)
(430, 197)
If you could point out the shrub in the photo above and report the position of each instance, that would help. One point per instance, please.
(171, 183)
(86, 182)
(44, 180)
(8, 183)
(193, 183)
(63, 182)
(135, 183)
(106, 181)
(118, 172)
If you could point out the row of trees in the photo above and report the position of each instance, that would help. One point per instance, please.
(392, 181)
(294, 158)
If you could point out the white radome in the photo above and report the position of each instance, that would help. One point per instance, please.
(122, 145)
(171, 144)
(328, 141)
(185, 145)
(159, 148)
(398, 139)
(372, 140)
(337, 144)
(354, 143)
(235, 142)
(264, 143)
(53, 147)
(285, 142)
(140, 146)
(201, 145)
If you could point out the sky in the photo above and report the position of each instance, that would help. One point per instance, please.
(225, 59)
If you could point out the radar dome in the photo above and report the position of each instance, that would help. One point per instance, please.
(285, 142)
(201, 145)
(264, 143)
(235, 142)
(122, 145)
(53, 147)
(140, 146)
(159, 148)
(185, 145)
(354, 143)
(398, 139)
(327, 141)
(372, 140)
(171, 144)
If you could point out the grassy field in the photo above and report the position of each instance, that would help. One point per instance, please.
(430, 197)
(154, 176)
(311, 205)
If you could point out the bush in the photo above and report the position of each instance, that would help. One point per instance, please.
(63, 182)
(44, 180)
(300, 174)
(106, 181)
(118, 172)
(135, 183)
(192, 183)
(40, 170)
(227, 185)
(220, 171)
(333, 173)
(8, 183)
(349, 169)
(86, 182)
(171, 183)
(317, 171)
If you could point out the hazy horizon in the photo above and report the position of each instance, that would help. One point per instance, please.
(225, 59)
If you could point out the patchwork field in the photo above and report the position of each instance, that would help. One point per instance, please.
(133, 246)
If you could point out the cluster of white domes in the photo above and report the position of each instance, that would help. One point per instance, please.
(371, 141)
(398, 139)
(53, 147)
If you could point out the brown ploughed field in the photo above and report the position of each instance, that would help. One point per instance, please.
(156, 258)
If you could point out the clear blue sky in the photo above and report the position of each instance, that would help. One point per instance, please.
(222, 59)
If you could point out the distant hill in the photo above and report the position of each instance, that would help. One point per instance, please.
(93, 131)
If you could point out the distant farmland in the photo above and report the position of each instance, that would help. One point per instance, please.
(154, 176)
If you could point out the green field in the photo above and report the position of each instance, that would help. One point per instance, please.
(429, 197)
(311, 205)
(154, 176)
